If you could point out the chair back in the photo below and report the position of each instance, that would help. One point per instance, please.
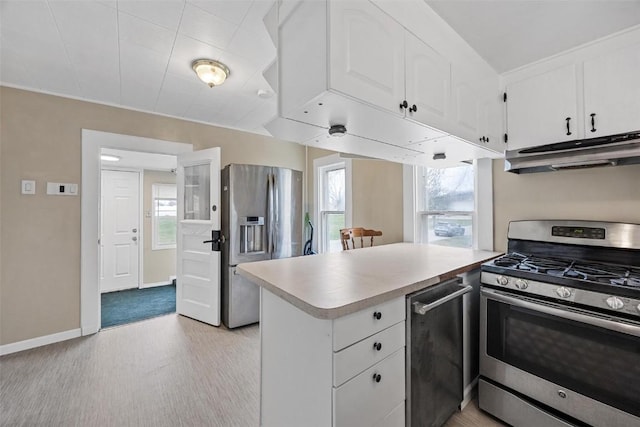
(355, 234)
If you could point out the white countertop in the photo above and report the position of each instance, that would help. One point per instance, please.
(331, 285)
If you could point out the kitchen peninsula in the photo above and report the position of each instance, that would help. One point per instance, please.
(333, 331)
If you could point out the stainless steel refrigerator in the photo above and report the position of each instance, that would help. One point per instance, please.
(261, 220)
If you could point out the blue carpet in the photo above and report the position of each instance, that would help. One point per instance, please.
(119, 308)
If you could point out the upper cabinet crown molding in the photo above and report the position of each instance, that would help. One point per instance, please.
(353, 63)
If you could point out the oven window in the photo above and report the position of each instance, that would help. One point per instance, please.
(593, 361)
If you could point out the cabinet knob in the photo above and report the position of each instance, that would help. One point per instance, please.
(568, 119)
(377, 377)
(404, 104)
(377, 315)
(377, 346)
(593, 122)
(413, 108)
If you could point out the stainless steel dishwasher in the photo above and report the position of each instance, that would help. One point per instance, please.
(434, 387)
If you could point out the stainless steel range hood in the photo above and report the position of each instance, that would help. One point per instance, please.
(614, 150)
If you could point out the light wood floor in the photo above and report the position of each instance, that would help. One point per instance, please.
(167, 371)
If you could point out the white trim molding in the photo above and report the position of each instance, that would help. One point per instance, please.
(92, 144)
(318, 165)
(155, 284)
(15, 347)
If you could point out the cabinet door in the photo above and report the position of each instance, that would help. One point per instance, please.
(612, 93)
(537, 109)
(366, 54)
(490, 123)
(428, 83)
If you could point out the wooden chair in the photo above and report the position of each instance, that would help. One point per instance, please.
(351, 234)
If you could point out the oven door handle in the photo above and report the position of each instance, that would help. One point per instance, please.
(613, 325)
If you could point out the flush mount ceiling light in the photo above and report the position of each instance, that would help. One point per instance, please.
(109, 158)
(213, 73)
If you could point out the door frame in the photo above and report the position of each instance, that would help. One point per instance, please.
(92, 144)
(140, 173)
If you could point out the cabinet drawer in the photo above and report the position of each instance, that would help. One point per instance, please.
(393, 419)
(354, 327)
(352, 360)
(362, 401)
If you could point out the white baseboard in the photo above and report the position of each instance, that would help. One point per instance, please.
(121, 288)
(469, 393)
(38, 342)
(154, 285)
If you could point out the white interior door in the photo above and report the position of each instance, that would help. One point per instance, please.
(198, 269)
(119, 240)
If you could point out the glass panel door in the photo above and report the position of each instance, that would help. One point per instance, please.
(197, 182)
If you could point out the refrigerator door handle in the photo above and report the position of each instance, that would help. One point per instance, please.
(276, 209)
(269, 213)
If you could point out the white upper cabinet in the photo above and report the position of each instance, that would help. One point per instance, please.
(428, 84)
(594, 89)
(477, 107)
(543, 109)
(612, 93)
(366, 54)
(354, 64)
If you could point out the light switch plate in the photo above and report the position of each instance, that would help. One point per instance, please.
(62, 189)
(28, 186)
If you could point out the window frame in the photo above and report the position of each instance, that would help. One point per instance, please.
(481, 217)
(155, 189)
(321, 166)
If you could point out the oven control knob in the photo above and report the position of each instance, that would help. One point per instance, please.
(501, 280)
(615, 303)
(563, 292)
(522, 284)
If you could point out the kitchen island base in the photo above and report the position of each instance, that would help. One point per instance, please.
(322, 372)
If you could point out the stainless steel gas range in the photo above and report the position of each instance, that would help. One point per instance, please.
(560, 325)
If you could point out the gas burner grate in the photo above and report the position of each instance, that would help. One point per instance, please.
(609, 274)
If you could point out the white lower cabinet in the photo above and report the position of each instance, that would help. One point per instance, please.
(344, 372)
(372, 395)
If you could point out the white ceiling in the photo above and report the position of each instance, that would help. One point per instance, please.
(512, 33)
(138, 53)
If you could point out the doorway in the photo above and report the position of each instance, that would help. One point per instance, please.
(138, 217)
(93, 143)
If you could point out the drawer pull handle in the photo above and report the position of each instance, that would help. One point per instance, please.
(377, 346)
(377, 315)
(377, 377)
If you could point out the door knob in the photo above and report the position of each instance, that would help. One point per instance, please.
(134, 238)
(135, 230)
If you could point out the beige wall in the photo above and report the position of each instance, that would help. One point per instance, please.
(376, 195)
(40, 234)
(601, 194)
(158, 264)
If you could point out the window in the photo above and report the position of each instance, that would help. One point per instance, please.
(445, 205)
(164, 218)
(332, 200)
(446, 200)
